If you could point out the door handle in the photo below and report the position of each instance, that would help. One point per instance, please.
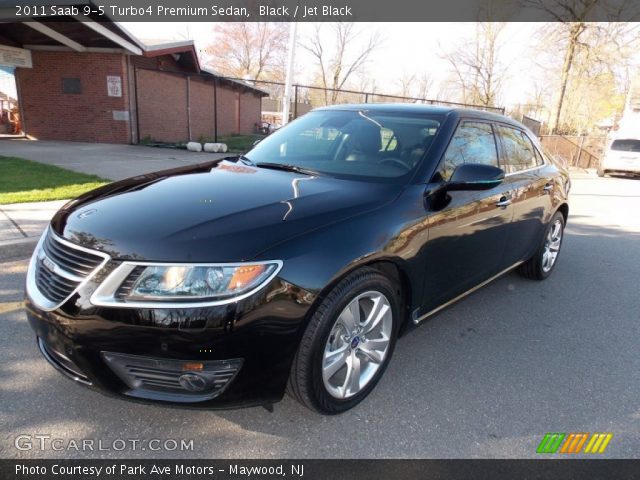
(548, 187)
(504, 201)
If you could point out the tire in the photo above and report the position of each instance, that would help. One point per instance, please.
(537, 268)
(327, 338)
(601, 172)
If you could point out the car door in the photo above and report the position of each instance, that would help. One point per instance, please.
(531, 184)
(468, 232)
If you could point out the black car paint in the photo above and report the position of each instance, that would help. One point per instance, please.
(439, 245)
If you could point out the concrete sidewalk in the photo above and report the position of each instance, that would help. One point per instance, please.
(21, 224)
(109, 161)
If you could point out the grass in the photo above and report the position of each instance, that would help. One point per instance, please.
(236, 143)
(239, 143)
(23, 180)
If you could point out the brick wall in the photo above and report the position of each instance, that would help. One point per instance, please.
(226, 111)
(88, 117)
(50, 114)
(162, 106)
(202, 109)
(250, 111)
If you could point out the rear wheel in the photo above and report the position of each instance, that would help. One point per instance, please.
(542, 263)
(347, 344)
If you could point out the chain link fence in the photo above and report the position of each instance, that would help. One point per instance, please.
(307, 97)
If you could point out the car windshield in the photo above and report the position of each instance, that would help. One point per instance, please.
(384, 147)
(629, 145)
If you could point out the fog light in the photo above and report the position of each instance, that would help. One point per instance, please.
(193, 382)
(171, 379)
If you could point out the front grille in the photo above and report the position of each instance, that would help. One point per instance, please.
(160, 379)
(55, 287)
(60, 267)
(69, 258)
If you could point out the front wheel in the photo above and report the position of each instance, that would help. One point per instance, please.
(347, 344)
(542, 263)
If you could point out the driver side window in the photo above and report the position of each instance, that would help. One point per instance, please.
(473, 142)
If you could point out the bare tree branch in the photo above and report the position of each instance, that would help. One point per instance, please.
(477, 67)
(340, 64)
(249, 50)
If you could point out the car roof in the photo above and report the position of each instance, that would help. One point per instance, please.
(417, 108)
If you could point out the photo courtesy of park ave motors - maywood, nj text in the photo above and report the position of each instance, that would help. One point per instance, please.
(317, 239)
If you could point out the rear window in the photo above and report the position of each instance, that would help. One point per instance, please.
(629, 145)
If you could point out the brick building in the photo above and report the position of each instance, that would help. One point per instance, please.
(95, 82)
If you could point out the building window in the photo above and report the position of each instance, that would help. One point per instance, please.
(71, 85)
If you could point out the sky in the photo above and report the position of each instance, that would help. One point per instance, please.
(407, 48)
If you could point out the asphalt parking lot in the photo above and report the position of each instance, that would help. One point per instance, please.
(486, 378)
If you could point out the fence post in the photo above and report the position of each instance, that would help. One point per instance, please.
(295, 102)
(580, 150)
(366, 97)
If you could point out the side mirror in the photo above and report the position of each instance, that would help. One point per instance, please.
(475, 176)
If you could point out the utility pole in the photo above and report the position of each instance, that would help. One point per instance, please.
(286, 99)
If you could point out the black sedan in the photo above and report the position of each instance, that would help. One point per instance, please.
(294, 267)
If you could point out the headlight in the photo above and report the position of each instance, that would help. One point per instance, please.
(135, 284)
(185, 282)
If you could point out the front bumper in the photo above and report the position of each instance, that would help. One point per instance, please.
(246, 348)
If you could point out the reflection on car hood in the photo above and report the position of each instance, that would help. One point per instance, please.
(216, 212)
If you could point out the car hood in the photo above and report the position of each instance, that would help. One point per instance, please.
(215, 212)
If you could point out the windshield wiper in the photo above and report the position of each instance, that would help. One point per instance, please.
(246, 160)
(287, 168)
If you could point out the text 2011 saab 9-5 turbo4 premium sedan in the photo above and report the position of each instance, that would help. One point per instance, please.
(294, 267)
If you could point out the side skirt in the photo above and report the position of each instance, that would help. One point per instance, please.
(464, 294)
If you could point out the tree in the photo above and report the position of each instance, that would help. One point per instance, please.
(580, 38)
(416, 86)
(337, 63)
(424, 86)
(252, 50)
(476, 66)
(593, 70)
(407, 83)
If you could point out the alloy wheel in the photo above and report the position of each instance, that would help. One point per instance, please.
(552, 246)
(357, 345)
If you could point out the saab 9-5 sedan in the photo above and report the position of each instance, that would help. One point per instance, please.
(294, 267)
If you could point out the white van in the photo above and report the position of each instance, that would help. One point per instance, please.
(622, 157)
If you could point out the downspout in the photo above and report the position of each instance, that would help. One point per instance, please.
(135, 87)
(215, 109)
(133, 101)
(189, 105)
